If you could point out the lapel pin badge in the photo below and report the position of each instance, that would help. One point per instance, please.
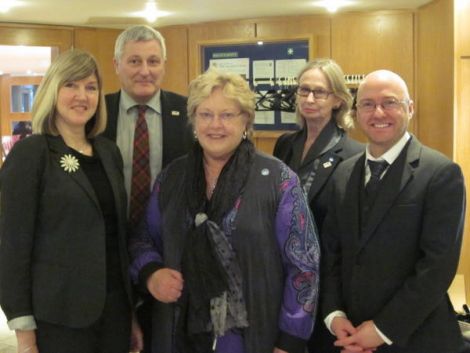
(327, 164)
(69, 163)
(175, 113)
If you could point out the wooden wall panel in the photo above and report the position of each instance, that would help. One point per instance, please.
(364, 42)
(100, 43)
(285, 27)
(4, 106)
(462, 120)
(48, 36)
(214, 31)
(435, 72)
(176, 76)
(265, 140)
(462, 155)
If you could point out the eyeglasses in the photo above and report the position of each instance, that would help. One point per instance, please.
(224, 116)
(388, 105)
(318, 93)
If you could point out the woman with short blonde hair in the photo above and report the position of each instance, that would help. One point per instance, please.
(228, 247)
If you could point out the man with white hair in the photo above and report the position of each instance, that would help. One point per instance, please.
(392, 234)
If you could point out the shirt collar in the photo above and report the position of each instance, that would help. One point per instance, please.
(127, 102)
(393, 152)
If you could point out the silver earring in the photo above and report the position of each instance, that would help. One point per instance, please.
(245, 135)
(195, 134)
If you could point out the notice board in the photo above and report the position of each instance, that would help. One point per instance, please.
(271, 67)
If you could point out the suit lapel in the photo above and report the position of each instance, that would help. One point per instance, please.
(398, 176)
(351, 199)
(327, 158)
(58, 151)
(171, 128)
(327, 164)
(112, 106)
(111, 170)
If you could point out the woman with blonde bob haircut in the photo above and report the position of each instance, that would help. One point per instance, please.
(238, 253)
(72, 66)
(64, 285)
(315, 151)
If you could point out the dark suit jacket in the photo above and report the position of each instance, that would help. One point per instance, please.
(177, 135)
(396, 269)
(177, 140)
(52, 250)
(289, 149)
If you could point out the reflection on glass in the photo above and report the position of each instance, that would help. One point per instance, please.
(22, 97)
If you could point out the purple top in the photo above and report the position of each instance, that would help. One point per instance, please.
(298, 245)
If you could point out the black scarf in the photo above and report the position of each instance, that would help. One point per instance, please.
(209, 265)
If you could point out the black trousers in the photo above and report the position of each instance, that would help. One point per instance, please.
(144, 317)
(110, 334)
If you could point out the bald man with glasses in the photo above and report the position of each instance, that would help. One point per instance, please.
(392, 234)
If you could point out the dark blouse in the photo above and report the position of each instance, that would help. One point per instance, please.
(93, 169)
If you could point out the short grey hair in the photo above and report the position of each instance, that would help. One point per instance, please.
(139, 33)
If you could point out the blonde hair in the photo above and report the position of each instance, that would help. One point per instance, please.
(233, 87)
(72, 65)
(335, 77)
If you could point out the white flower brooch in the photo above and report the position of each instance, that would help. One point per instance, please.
(69, 163)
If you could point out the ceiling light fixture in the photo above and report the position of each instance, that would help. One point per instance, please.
(460, 5)
(333, 5)
(6, 5)
(151, 13)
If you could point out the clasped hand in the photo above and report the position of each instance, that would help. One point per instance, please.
(363, 338)
(166, 285)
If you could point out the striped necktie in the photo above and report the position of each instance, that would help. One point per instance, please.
(140, 184)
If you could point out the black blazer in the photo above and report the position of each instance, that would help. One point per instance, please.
(395, 269)
(177, 134)
(291, 144)
(52, 250)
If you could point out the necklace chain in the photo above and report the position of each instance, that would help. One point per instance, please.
(212, 186)
(82, 148)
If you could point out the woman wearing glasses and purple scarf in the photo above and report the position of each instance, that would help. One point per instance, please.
(228, 247)
(314, 152)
